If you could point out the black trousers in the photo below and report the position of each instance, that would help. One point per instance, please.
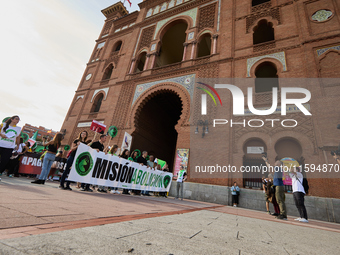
(5, 154)
(299, 199)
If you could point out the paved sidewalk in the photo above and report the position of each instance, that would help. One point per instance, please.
(41, 219)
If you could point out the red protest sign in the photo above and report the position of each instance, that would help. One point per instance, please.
(97, 127)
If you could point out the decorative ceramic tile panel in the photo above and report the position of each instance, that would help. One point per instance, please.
(153, 47)
(191, 13)
(191, 35)
(187, 81)
(156, 10)
(322, 15)
(179, 2)
(163, 8)
(280, 56)
(171, 4)
(149, 13)
(322, 51)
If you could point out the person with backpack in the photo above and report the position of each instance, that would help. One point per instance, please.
(299, 193)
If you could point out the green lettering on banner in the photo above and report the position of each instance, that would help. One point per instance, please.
(140, 172)
(145, 180)
(150, 179)
(134, 176)
(160, 182)
(155, 181)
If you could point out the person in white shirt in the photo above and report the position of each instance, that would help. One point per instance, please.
(299, 194)
(8, 140)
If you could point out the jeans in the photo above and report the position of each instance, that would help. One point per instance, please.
(179, 186)
(299, 199)
(280, 198)
(69, 163)
(46, 167)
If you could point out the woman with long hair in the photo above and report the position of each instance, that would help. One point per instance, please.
(133, 156)
(125, 154)
(52, 148)
(8, 140)
(82, 137)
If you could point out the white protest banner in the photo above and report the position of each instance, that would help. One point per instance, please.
(90, 166)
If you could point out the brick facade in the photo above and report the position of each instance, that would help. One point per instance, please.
(306, 34)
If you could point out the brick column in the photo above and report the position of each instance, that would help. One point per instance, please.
(146, 62)
(153, 59)
(193, 49)
(132, 65)
(214, 44)
(185, 51)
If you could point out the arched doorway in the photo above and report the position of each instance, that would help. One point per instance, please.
(155, 125)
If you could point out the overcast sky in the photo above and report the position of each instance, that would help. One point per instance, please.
(44, 49)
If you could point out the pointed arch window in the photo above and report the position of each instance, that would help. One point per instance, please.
(141, 62)
(97, 103)
(108, 72)
(204, 46)
(118, 46)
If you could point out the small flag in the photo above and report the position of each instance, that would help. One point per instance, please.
(49, 131)
(33, 139)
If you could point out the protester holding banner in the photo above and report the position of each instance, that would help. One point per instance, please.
(125, 155)
(181, 177)
(82, 137)
(52, 148)
(113, 151)
(98, 146)
(9, 139)
(134, 155)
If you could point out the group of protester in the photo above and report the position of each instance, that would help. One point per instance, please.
(55, 143)
(12, 146)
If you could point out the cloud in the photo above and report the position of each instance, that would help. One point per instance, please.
(44, 52)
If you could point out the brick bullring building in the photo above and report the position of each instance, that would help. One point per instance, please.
(142, 72)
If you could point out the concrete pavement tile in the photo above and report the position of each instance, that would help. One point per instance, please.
(21, 222)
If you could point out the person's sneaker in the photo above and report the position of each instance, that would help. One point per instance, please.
(234, 205)
(269, 212)
(275, 214)
(176, 197)
(281, 217)
(303, 220)
(90, 190)
(117, 192)
(67, 188)
(82, 189)
(298, 219)
(10, 176)
(113, 192)
(61, 187)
